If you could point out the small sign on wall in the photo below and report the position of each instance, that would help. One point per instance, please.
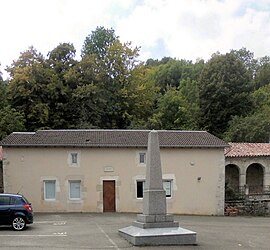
(108, 169)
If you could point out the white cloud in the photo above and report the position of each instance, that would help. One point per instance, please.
(178, 28)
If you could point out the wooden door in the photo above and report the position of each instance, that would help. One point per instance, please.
(108, 196)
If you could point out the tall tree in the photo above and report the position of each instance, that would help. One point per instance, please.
(255, 127)
(251, 128)
(88, 99)
(27, 88)
(60, 62)
(98, 42)
(190, 91)
(10, 121)
(3, 94)
(62, 58)
(108, 90)
(262, 77)
(173, 112)
(172, 71)
(224, 90)
(247, 58)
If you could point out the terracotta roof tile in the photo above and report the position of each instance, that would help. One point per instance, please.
(111, 138)
(247, 150)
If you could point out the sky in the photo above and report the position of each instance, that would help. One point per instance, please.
(182, 29)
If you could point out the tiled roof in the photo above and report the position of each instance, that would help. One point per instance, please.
(247, 150)
(110, 138)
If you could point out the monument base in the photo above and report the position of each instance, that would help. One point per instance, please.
(158, 236)
(155, 221)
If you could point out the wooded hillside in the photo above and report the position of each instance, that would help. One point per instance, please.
(229, 95)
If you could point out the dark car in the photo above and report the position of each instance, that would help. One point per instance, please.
(15, 210)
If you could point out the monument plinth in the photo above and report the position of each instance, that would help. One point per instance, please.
(155, 226)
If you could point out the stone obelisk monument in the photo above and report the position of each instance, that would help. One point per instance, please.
(155, 226)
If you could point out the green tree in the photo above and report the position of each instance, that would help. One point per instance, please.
(255, 126)
(10, 121)
(88, 98)
(252, 128)
(62, 58)
(98, 42)
(173, 112)
(107, 86)
(3, 92)
(59, 65)
(155, 62)
(172, 71)
(27, 88)
(224, 89)
(262, 77)
(142, 94)
(247, 58)
(190, 91)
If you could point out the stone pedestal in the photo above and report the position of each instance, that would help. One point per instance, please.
(158, 236)
(155, 221)
(155, 226)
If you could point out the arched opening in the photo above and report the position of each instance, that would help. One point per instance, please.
(231, 182)
(254, 178)
(232, 176)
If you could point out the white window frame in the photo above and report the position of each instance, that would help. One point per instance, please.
(167, 186)
(80, 185)
(167, 189)
(45, 193)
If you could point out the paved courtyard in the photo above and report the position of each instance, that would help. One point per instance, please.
(100, 231)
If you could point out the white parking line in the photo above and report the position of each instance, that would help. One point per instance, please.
(34, 235)
(55, 223)
(50, 222)
(108, 237)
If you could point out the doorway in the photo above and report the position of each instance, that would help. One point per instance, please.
(109, 196)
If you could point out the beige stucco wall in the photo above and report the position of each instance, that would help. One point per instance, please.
(197, 178)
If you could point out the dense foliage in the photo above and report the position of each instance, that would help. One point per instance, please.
(229, 95)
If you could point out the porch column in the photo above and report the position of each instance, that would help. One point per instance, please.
(242, 177)
(266, 179)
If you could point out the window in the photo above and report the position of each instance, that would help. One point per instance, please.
(142, 158)
(49, 190)
(140, 186)
(74, 158)
(75, 190)
(166, 187)
(4, 200)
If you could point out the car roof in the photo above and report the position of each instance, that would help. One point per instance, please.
(13, 195)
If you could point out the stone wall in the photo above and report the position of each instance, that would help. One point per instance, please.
(1, 177)
(248, 207)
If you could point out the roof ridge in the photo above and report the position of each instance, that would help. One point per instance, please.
(121, 130)
(110, 137)
(24, 133)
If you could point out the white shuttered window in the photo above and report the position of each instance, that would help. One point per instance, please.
(75, 190)
(49, 190)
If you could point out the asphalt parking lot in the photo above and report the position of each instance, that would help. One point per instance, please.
(100, 231)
